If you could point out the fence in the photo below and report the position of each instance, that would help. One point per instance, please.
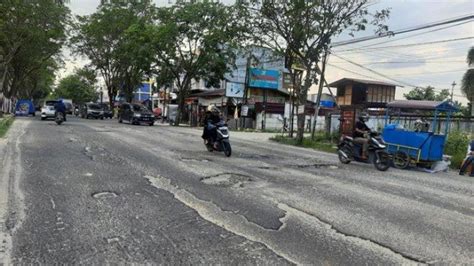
(464, 124)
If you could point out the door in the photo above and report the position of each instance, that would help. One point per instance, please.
(126, 112)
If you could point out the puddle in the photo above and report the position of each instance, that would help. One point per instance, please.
(227, 180)
(104, 195)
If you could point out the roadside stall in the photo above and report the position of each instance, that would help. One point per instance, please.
(424, 145)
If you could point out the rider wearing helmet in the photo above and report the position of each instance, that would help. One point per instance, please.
(211, 118)
(360, 131)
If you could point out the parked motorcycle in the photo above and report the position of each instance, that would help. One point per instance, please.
(222, 140)
(59, 118)
(349, 151)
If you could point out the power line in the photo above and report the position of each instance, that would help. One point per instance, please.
(373, 78)
(416, 28)
(410, 44)
(414, 35)
(407, 62)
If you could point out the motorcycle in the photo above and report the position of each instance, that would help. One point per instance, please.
(349, 151)
(222, 140)
(59, 118)
(76, 111)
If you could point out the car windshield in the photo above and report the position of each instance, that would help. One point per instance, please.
(94, 106)
(139, 108)
(50, 103)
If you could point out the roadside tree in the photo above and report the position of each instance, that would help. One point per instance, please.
(302, 31)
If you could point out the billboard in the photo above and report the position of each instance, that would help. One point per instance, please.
(265, 79)
(234, 90)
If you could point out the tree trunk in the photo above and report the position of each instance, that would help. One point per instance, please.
(472, 106)
(182, 94)
(302, 98)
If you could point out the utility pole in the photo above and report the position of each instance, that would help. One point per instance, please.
(452, 90)
(246, 88)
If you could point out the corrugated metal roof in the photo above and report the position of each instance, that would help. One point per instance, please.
(422, 105)
(344, 81)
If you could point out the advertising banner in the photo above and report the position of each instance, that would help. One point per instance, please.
(264, 79)
(234, 90)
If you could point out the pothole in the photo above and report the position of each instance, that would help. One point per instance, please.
(314, 165)
(227, 180)
(257, 156)
(104, 195)
(195, 160)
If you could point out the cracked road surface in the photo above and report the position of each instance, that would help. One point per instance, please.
(98, 192)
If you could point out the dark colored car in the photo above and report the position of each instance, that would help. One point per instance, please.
(135, 114)
(92, 110)
(107, 112)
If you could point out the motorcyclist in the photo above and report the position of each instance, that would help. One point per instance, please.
(360, 134)
(211, 118)
(60, 107)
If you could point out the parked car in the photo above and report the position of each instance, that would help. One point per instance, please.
(107, 112)
(92, 110)
(48, 110)
(135, 114)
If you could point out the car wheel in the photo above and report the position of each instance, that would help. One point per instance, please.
(101, 118)
(151, 124)
(43, 118)
(120, 119)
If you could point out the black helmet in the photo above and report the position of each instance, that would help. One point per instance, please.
(364, 117)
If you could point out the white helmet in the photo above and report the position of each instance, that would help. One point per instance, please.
(212, 108)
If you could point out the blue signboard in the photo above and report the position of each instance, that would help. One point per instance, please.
(265, 79)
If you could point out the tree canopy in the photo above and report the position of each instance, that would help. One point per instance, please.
(79, 87)
(32, 34)
(428, 94)
(302, 31)
(103, 38)
(193, 41)
(467, 86)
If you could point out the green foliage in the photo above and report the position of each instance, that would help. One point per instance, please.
(104, 37)
(79, 87)
(5, 124)
(32, 34)
(302, 32)
(427, 94)
(456, 146)
(192, 40)
(467, 85)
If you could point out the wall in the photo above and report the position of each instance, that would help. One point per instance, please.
(275, 122)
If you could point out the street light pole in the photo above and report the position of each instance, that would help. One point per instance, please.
(452, 90)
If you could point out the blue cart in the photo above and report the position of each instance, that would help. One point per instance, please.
(423, 146)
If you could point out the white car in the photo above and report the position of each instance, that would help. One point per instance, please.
(48, 110)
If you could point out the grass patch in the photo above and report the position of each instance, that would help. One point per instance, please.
(5, 124)
(320, 143)
(456, 146)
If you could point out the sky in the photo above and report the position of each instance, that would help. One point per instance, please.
(435, 64)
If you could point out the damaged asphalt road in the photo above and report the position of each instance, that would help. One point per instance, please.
(102, 192)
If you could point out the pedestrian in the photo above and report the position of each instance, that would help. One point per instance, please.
(469, 161)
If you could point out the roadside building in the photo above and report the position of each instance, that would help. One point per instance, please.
(357, 95)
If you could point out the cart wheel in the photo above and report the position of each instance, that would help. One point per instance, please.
(401, 160)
